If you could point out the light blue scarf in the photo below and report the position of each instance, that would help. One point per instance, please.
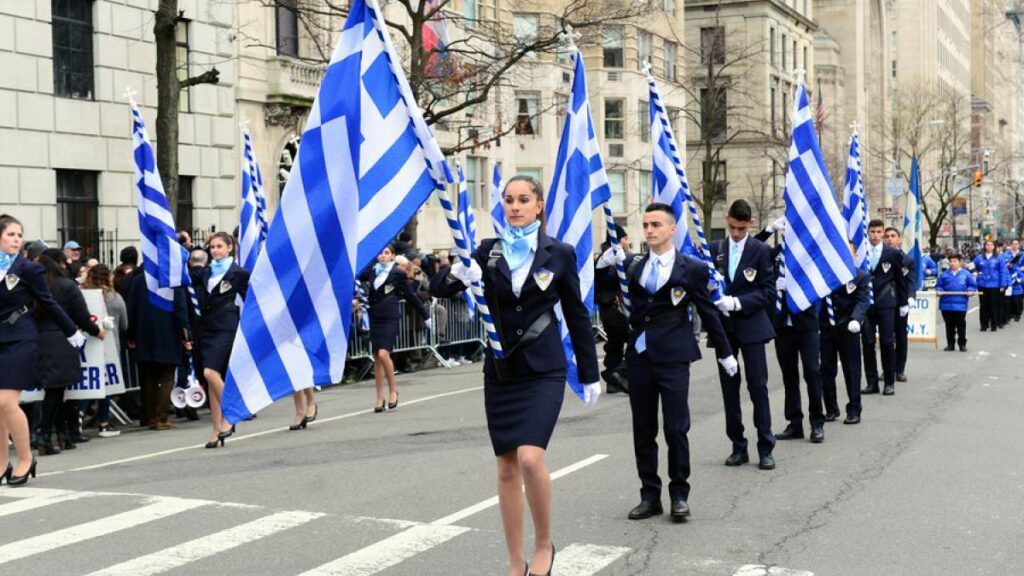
(219, 267)
(517, 242)
(378, 268)
(6, 260)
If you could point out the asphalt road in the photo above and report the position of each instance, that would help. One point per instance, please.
(932, 482)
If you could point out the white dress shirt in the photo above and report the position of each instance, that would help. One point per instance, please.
(519, 275)
(667, 259)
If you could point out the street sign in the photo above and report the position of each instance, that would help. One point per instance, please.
(959, 211)
(894, 186)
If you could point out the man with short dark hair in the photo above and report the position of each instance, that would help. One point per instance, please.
(909, 273)
(890, 299)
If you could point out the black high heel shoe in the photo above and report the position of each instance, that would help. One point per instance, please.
(378, 409)
(13, 480)
(316, 412)
(226, 433)
(7, 474)
(548, 573)
(218, 442)
(301, 425)
(395, 405)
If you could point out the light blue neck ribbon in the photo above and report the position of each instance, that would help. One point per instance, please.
(517, 242)
(378, 268)
(219, 267)
(6, 260)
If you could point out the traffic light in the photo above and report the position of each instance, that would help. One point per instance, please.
(978, 177)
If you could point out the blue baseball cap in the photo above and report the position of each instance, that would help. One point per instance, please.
(72, 245)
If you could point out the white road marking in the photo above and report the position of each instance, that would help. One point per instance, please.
(388, 552)
(31, 503)
(587, 559)
(160, 508)
(186, 552)
(762, 570)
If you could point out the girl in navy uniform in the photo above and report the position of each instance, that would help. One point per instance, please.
(22, 284)
(955, 287)
(528, 273)
(988, 271)
(388, 284)
(220, 288)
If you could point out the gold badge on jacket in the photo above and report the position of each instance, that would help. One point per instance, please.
(543, 278)
(850, 287)
(750, 274)
(388, 288)
(677, 296)
(12, 281)
(225, 286)
(886, 266)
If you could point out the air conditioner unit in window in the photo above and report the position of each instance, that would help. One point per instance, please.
(615, 76)
(616, 150)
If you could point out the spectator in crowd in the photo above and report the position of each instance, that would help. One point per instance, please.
(185, 239)
(403, 246)
(73, 257)
(83, 271)
(33, 249)
(101, 278)
(129, 262)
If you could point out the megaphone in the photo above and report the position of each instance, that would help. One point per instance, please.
(195, 396)
(179, 397)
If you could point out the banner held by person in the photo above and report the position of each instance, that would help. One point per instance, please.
(101, 362)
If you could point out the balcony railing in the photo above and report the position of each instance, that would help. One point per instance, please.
(293, 81)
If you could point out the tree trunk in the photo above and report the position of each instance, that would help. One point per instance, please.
(168, 97)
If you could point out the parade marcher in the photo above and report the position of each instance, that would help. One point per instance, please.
(608, 296)
(955, 288)
(527, 274)
(796, 342)
(931, 269)
(24, 283)
(986, 267)
(220, 289)
(746, 265)
(1005, 287)
(840, 338)
(909, 274)
(388, 285)
(890, 301)
(1015, 264)
(662, 345)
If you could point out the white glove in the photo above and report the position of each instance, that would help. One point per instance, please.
(1009, 290)
(727, 304)
(428, 324)
(780, 283)
(911, 301)
(853, 327)
(730, 365)
(904, 310)
(778, 226)
(591, 392)
(77, 339)
(467, 275)
(611, 257)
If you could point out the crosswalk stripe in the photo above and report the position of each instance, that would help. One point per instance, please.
(32, 503)
(587, 559)
(160, 508)
(762, 570)
(32, 492)
(186, 552)
(388, 552)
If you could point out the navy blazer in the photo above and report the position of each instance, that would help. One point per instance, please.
(753, 286)
(665, 317)
(217, 306)
(887, 281)
(384, 300)
(22, 284)
(545, 354)
(849, 302)
(910, 275)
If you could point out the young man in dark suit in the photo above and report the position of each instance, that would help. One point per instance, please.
(909, 274)
(890, 300)
(840, 336)
(746, 265)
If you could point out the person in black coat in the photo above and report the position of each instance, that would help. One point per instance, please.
(388, 285)
(909, 274)
(746, 265)
(608, 297)
(23, 284)
(60, 364)
(220, 289)
(840, 337)
(890, 297)
(527, 274)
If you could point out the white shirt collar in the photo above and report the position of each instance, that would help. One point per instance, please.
(667, 259)
(738, 245)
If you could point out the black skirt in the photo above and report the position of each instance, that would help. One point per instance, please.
(523, 412)
(383, 333)
(19, 362)
(216, 350)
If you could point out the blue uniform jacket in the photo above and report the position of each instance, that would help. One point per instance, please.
(218, 306)
(23, 284)
(987, 270)
(664, 316)
(962, 281)
(887, 280)
(384, 300)
(929, 265)
(849, 302)
(552, 279)
(754, 286)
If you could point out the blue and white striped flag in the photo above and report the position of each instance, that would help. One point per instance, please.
(816, 255)
(498, 202)
(252, 226)
(668, 178)
(366, 164)
(468, 224)
(855, 206)
(580, 185)
(912, 222)
(164, 260)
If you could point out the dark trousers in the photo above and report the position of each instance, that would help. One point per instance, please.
(884, 320)
(617, 331)
(989, 301)
(901, 343)
(956, 327)
(793, 346)
(53, 413)
(837, 343)
(755, 370)
(1016, 306)
(671, 384)
(156, 381)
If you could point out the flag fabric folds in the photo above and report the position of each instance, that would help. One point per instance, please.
(498, 202)
(816, 255)
(912, 222)
(580, 185)
(668, 178)
(855, 206)
(366, 163)
(252, 228)
(164, 260)
(468, 225)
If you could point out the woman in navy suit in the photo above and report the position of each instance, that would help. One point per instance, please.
(528, 273)
(387, 285)
(220, 289)
(23, 283)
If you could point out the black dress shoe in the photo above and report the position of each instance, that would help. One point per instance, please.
(948, 349)
(852, 420)
(870, 390)
(737, 458)
(792, 432)
(680, 510)
(646, 509)
(963, 347)
(767, 462)
(831, 416)
(889, 390)
(817, 434)
(901, 377)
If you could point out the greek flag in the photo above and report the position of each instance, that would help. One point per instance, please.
(580, 185)
(498, 202)
(668, 178)
(164, 260)
(816, 257)
(912, 222)
(855, 206)
(252, 228)
(468, 224)
(366, 164)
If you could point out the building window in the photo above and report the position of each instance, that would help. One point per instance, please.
(612, 40)
(716, 175)
(771, 46)
(669, 7)
(643, 49)
(614, 118)
(646, 178)
(527, 121)
(784, 42)
(287, 18)
(807, 64)
(617, 183)
(524, 28)
(712, 45)
(72, 48)
(535, 173)
(795, 65)
(561, 109)
(184, 59)
(671, 50)
(643, 116)
(469, 11)
(713, 116)
(186, 208)
(894, 69)
(772, 101)
(785, 109)
(474, 169)
(77, 209)
(675, 116)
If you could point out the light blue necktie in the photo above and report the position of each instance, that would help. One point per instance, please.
(6, 260)
(874, 257)
(219, 267)
(734, 261)
(651, 285)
